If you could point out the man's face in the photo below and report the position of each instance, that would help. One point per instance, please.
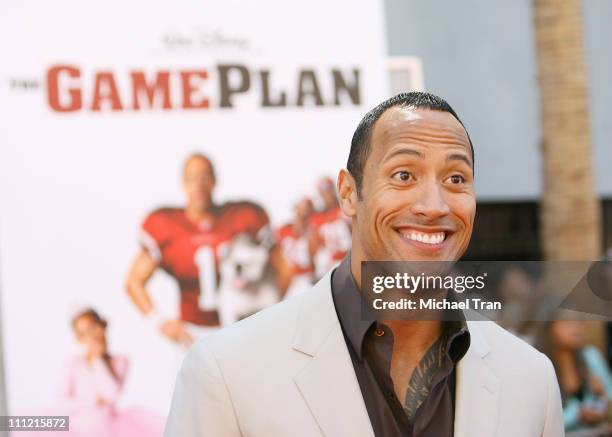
(198, 182)
(418, 200)
(303, 210)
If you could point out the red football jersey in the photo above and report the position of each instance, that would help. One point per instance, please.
(295, 249)
(188, 251)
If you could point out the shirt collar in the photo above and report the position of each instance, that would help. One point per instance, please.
(348, 301)
(356, 319)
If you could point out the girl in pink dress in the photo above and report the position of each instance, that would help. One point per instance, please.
(93, 386)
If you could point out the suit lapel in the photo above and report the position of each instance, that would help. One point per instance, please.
(328, 383)
(477, 390)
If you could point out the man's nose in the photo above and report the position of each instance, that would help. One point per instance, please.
(431, 202)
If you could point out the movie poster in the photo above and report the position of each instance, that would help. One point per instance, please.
(165, 168)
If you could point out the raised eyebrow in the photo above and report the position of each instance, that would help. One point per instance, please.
(404, 151)
(459, 157)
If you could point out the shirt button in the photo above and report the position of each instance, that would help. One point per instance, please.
(379, 332)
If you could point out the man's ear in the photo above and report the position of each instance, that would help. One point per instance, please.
(347, 193)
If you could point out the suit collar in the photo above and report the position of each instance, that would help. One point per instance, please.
(328, 382)
(316, 318)
(478, 341)
(477, 390)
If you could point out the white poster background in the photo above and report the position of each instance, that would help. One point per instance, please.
(75, 187)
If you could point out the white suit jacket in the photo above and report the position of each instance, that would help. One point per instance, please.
(286, 372)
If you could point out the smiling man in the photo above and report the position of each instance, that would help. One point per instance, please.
(316, 365)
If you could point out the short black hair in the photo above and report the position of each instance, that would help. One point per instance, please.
(360, 144)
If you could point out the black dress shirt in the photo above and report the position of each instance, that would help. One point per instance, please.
(370, 345)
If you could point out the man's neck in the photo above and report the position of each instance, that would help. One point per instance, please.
(198, 214)
(329, 207)
(299, 226)
(356, 269)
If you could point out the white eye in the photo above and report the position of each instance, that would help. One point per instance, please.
(402, 176)
(456, 179)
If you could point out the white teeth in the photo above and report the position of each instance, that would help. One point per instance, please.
(426, 238)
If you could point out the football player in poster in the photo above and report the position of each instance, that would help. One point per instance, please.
(191, 244)
(293, 238)
(330, 236)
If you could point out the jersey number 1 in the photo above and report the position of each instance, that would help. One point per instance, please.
(205, 260)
